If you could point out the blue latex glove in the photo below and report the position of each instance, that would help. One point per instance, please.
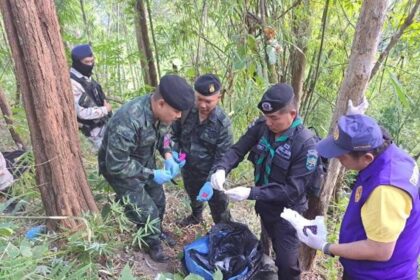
(179, 158)
(206, 192)
(161, 176)
(172, 166)
(35, 232)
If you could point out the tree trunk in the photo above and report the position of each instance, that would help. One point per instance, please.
(8, 118)
(302, 30)
(143, 42)
(42, 75)
(354, 85)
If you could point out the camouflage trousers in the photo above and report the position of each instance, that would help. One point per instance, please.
(218, 203)
(141, 202)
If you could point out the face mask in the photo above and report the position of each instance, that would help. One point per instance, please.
(84, 69)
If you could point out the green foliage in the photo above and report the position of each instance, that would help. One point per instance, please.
(149, 228)
(219, 37)
(126, 273)
(29, 260)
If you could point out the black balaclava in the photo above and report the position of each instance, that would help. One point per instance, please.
(84, 69)
(77, 54)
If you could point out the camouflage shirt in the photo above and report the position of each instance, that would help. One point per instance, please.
(130, 141)
(206, 142)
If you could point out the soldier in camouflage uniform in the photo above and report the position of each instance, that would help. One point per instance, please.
(204, 134)
(127, 155)
(92, 109)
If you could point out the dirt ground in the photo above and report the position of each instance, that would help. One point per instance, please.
(177, 208)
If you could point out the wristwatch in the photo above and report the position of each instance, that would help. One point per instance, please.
(326, 249)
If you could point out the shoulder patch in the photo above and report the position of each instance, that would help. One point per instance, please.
(311, 159)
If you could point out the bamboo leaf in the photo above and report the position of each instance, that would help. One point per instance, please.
(399, 90)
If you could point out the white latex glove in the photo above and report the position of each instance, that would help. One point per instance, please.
(311, 232)
(238, 194)
(359, 109)
(218, 179)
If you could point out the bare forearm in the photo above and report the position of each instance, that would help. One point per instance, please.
(364, 250)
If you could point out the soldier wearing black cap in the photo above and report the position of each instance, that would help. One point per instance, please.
(283, 153)
(204, 134)
(92, 108)
(127, 155)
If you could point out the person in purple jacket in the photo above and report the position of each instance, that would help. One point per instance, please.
(380, 231)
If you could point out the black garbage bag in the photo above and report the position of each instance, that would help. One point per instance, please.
(231, 247)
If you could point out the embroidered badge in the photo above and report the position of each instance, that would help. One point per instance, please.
(358, 194)
(284, 151)
(266, 106)
(211, 88)
(311, 159)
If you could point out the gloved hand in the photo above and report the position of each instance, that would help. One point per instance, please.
(218, 179)
(239, 193)
(315, 241)
(311, 232)
(172, 166)
(161, 176)
(206, 192)
(357, 110)
(180, 158)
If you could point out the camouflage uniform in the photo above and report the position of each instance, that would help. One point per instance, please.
(127, 160)
(204, 145)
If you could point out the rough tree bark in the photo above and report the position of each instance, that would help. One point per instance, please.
(42, 75)
(143, 42)
(8, 118)
(353, 87)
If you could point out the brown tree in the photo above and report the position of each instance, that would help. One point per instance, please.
(302, 30)
(146, 55)
(354, 85)
(42, 76)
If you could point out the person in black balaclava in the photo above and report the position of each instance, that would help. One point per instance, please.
(92, 108)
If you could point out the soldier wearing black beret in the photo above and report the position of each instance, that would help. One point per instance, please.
(127, 155)
(283, 153)
(204, 134)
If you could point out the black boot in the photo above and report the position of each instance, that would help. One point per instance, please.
(191, 220)
(166, 237)
(157, 254)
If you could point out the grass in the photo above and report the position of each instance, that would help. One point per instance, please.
(106, 249)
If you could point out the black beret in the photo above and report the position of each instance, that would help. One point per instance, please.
(275, 98)
(176, 92)
(207, 84)
(81, 51)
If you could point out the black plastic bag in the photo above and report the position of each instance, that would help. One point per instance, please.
(232, 248)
